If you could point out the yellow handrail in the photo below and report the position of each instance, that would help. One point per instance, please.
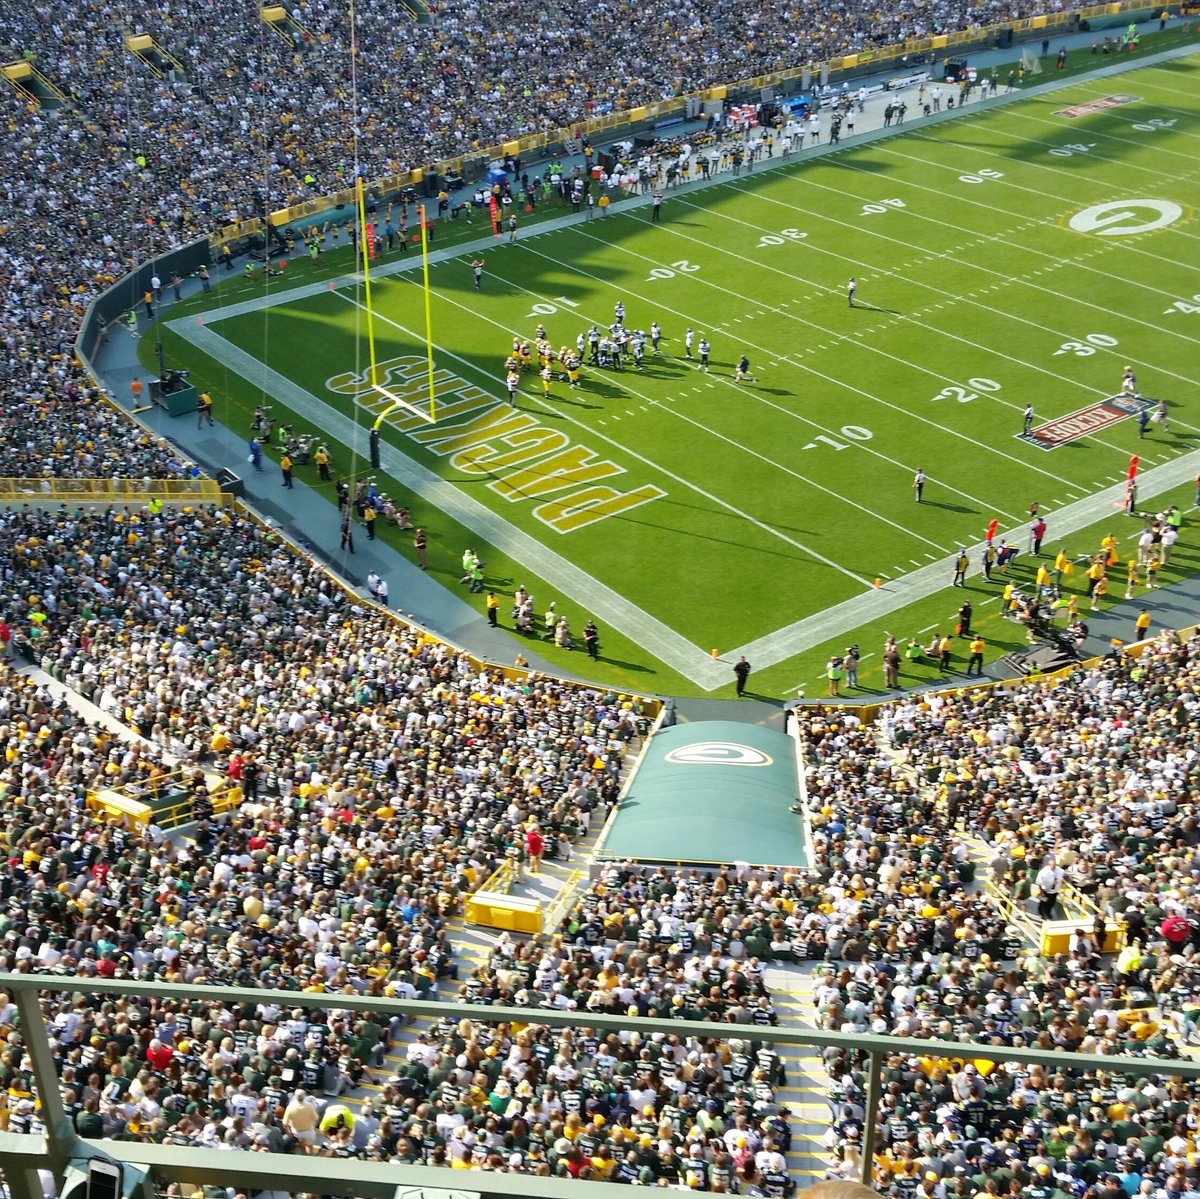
(501, 879)
(223, 800)
(52, 490)
(556, 909)
(1013, 913)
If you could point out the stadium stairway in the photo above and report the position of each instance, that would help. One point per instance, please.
(790, 985)
(806, 1094)
(472, 947)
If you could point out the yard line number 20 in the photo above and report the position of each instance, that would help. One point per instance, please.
(965, 394)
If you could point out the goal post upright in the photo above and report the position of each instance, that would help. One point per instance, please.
(394, 401)
(428, 312)
(366, 263)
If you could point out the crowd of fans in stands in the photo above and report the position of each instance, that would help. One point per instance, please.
(300, 889)
(282, 105)
(1090, 783)
(138, 162)
(384, 776)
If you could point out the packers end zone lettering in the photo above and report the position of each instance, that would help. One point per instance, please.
(1088, 420)
(523, 459)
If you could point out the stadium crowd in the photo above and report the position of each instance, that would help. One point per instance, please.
(1090, 782)
(172, 154)
(298, 888)
(384, 776)
(137, 163)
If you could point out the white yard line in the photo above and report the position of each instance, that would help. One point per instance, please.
(830, 379)
(749, 394)
(700, 491)
(773, 647)
(915, 366)
(1059, 296)
(745, 449)
(608, 606)
(1145, 84)
(1124, 164)
(811, 247)
(1110, 188)
(874, 605)
(1069, 202)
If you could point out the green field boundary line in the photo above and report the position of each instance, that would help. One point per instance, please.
(926, 581)
(601, 602)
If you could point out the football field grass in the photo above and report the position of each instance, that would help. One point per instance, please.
(1018, 254)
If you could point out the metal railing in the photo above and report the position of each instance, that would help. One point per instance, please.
(136, 805)
(556, 910)
(1014, 914)
(109, 491)
(21, 1155)
(502, 879)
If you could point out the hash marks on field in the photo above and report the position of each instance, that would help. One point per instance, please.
(1045, 167)
(934, 329)
(845, 384)
(991, 208)
(795, 416)
(666, 472)
(1058, 296)
(1124, 163)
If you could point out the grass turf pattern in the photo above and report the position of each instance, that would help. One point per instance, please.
(987, 278)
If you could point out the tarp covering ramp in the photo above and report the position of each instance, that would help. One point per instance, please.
(709, 793)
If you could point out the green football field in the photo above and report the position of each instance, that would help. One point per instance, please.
(1019, 254)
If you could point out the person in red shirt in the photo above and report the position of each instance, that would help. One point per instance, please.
(159, 1055)
(534, 847)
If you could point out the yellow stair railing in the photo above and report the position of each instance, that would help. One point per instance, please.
(113, 491)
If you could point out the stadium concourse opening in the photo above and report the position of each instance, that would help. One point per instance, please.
(709, 794)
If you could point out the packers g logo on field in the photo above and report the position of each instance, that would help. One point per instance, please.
(1123, 218)
(718, 753)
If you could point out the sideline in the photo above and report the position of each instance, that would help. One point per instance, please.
(671, 648)
(602, 602)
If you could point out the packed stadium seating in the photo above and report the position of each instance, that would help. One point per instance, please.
(384, 776)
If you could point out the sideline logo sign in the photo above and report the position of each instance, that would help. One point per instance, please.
(1093, 106)
(1085, 421)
